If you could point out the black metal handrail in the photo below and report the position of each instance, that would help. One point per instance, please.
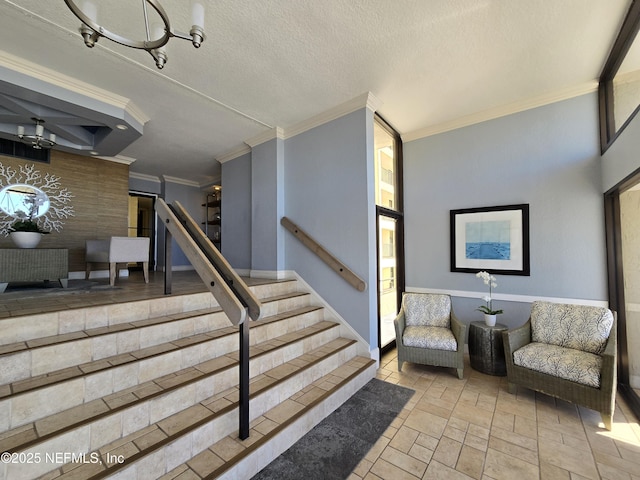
(232, 293)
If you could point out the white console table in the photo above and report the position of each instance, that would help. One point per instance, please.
(33, 265)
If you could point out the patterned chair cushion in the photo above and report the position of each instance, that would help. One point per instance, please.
(427, 310)
(572, 326)
(433, 338)
(567, 363)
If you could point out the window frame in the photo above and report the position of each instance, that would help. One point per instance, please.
(627, 35)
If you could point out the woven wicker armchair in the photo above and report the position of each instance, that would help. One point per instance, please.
(568, 352)
(428, 332)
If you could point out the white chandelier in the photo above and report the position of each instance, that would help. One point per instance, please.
(37, 139)
(91, 31)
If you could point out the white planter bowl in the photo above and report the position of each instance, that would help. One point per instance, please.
(490, 320)
(26, 239)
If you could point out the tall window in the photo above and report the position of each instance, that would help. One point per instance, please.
(619, 87)
(388, 186)
(386, 169)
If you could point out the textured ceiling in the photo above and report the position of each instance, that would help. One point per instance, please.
(277, 63)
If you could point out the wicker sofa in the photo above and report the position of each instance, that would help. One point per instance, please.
(428, 332)
(568, 352)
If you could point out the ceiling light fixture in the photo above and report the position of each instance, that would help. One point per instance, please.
(37, 140)
(91, 31)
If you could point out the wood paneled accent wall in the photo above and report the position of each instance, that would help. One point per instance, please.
(101, 197)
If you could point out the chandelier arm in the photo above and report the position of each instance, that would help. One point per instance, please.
(91, 31)
(146, 20)
(139, 44)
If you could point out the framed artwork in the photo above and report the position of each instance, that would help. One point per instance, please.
(494, 239)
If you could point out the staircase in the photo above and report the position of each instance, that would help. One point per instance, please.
(149, 389)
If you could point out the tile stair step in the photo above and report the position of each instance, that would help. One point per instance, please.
(263, 355)
(36, 354)
(24, 327)
(273, 288)
(54, 377)
(126, 326)
(202, 375)
(318, 399)
(208, 421)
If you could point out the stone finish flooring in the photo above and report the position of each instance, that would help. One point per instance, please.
(29, 299)
(474, 429)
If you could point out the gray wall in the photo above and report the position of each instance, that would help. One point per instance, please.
(192, 199)
(236, 212)
(547, 157)
(267, 206)
(145, 186)
(329, 194)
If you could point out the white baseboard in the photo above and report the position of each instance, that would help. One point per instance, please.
(181, 268)
(124, 272)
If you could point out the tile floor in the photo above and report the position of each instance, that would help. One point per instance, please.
(473, 428)
(26, 299)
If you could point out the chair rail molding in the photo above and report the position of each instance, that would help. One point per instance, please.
(509, 297)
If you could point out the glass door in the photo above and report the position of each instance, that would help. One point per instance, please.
(388, 188)
(622, 217)
(388, 292)
(630, 252)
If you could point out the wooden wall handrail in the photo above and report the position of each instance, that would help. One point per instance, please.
(236, 284)
(216, 284)
(336, 265)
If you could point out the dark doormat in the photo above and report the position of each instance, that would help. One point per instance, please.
(334, 447)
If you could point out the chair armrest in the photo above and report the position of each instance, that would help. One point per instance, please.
(609, 368)
(97, 250)
(399, 324)
(458, 328)
(516, 338)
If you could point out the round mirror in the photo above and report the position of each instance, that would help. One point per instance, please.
(23, 201)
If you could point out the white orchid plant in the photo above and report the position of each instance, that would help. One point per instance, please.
(491, 281)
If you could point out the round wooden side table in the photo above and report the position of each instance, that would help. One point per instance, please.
(486, 351)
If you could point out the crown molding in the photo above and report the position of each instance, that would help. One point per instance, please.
(70, 84)
(366, 100)
(275, 132)
(144, 177)
(211, 185)
(118, 159)
(233, 154)
(503, 111)
(180, 181)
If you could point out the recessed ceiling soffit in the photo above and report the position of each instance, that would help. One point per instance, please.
(82, 124)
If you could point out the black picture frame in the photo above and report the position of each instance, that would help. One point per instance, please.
(493, 239)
